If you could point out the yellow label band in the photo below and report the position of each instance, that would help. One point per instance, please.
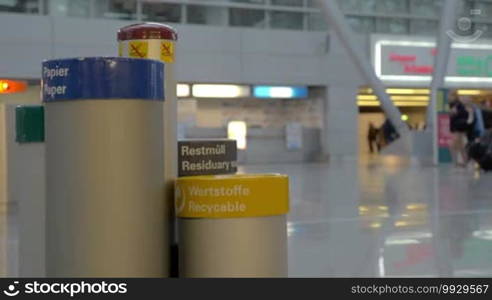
(232, 196)
(163, 50)
(167, 51)
(120, 49)
(138, 49)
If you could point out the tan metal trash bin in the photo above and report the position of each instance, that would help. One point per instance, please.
(104, 167)
(233, 225)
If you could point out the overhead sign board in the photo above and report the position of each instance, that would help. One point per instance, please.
(413, 60)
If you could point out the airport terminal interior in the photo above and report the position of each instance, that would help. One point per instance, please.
(379, 113)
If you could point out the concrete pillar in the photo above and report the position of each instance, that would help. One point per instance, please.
(444, 40)
(26, 192)
(3, 194)
(340, 122)
(336, 19)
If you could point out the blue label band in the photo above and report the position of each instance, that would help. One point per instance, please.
(102, 78)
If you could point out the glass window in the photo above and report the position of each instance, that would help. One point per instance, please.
(247, 17)
(392, 6)
(485, 9)
(20, 6)
(361, 24)
(72, 8)
(464, 27)
(471, 12)
(286, 20)
(348, 5)
(207, 15)
(249, 1)
(367, 6)
(423, 27)
(116, 9)
(313, 3)
(161, 12)
(487, 30)
(465, 7)
(358, 6)
(287, 2)
(316, 22)
(425, 8)
(392, 26)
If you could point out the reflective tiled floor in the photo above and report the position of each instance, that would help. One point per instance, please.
(387, 218)
(380, 217)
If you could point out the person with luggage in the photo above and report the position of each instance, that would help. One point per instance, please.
(372, 138)
(481, 151)
(486, 107)
(461, 120)
(389, 132)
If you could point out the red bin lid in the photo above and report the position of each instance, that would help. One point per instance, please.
(145, 31)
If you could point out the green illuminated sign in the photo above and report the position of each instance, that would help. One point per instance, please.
(468, 65)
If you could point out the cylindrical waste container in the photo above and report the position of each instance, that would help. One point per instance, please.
(232, 225)
(158, 41)
(104, 167)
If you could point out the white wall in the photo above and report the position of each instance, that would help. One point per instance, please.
(25, 41)
(340, 128)
(3, 193)
(30, 96)
(255, 112)
(205, 54)
(26, 192)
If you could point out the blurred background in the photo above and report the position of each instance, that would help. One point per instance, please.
(278, 76)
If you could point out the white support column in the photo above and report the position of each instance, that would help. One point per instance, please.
(4, 237)
(139, 10)
(336, 19)
(444, 41)
(42, 8)
(340, 122)
(26, 192)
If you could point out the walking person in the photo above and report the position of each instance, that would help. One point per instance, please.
(460, 121)
(372, 135)
(389, 132)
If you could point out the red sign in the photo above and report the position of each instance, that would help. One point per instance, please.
(402, 58)
(443, 134)
(414, 69)
(409, 63)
